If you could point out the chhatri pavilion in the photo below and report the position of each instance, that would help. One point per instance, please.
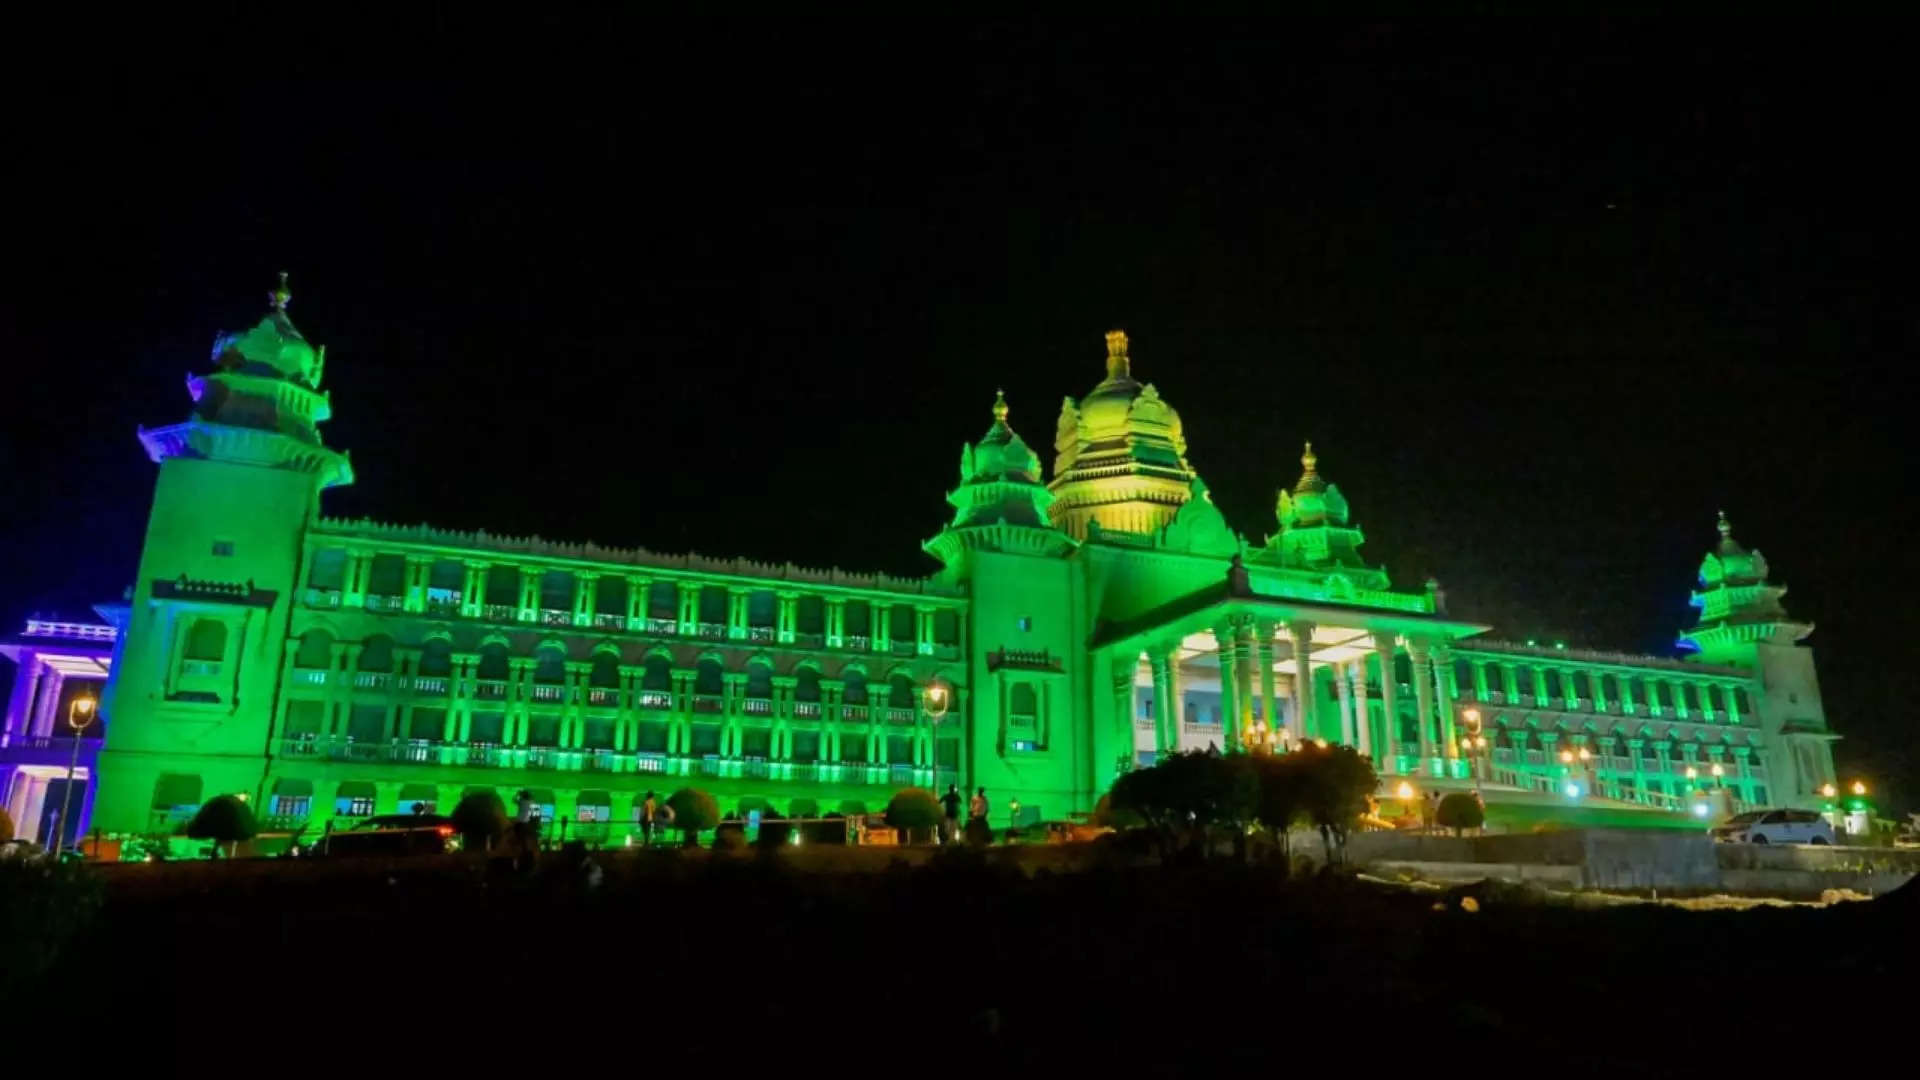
(1082, 621)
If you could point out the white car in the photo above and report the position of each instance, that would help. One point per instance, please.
(1774, 827)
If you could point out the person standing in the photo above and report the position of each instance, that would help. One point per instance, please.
(649, 810)
(977, 807)
(950, 814)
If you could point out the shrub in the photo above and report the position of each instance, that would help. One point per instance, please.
(694, 812)
(1105, 814)
(1458, 811)
(913, 810)
(224, 819)
(481, 819)
(730, 836)
(804, 808)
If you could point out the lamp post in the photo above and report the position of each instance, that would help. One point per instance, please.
(79, 718)
(935, 703)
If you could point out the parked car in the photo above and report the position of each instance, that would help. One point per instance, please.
(391, 834)
(1774, 827)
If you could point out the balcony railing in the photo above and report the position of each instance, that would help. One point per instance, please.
(858, 641)
(199, 667)
(429, 684)
(489, 689)
(707, 703)
(603, 621)
(378, 602)
(760, 633)
(758, 707)
(662, 626)
(600, 695)
(323, 598)
(810, 641)
(656, 699)
(500, 613)
(372, 680)
(555, 617)
(548, 692)
(806, 708)
(711, 630)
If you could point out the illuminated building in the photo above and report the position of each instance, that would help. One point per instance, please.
(1077, 626)
(55, 664)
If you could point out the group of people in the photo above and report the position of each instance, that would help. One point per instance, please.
(950, 811)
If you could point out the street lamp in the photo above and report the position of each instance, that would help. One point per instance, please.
(79, 717)
(935, 701)
(1828, 790)
(1859, 787)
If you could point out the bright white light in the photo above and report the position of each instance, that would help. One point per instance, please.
(1699, 809)
(1573, 791)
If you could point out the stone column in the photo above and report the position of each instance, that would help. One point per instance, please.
(1385, 647)
(1263, 656)
(530, 577)
(736, 613)
(573, 725)
(1423, 699)
(836, 622)
(1345, 693)
(1225, 640)
(1163, 705)
(880, 626)
(689, 614)
(414, 590)
(518, 708)
(1443, 700)
(474, 604)
(1510, 684)
(586, 597)
(1479, 679)
(786, 618)
(1363, 720)
(1300, 636)
(639, 592)
(923, 631)
(354, 590)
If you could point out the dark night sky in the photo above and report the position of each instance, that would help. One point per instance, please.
(1544, 297)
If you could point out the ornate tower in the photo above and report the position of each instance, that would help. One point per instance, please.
(1121, 459)
(1000, 504)
(192, 696)
(1743, 624)
(1739, 609)
(1025, 629)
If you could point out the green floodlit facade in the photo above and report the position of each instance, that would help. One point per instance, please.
(1077, 627)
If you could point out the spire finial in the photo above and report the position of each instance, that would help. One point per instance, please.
(1118, 365)
(1309, 472)
(1308, 459)
(280, 294)
(999, 406)
(1726, 530)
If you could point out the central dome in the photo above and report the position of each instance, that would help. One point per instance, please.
(1120, 456)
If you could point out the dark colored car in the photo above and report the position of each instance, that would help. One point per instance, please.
(391, 834)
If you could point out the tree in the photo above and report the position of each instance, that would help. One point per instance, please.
(694, 812)
(223, 819)
(481, 819)
(913, 809)
(1460, 811)
(1336, 787)
(1191, 792)
(1281, 795)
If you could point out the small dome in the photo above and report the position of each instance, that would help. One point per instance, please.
(274, 347)
(1000, 454)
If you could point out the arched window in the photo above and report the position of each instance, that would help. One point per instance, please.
(377, 654)
(708, 677)
(806, 684)
(436, 657)
(856, 688)
(900, 692)
(493, 661)
(759, 680)
(606, 671)
(657, 674)
(315, 652)
(550, 665)
(207, 640)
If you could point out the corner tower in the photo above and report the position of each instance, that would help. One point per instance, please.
(1120, 455)
(1744, 625)
(192, 695)
(1025, 627)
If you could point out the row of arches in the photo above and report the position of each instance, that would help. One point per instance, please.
(894, 689)
(611, 594)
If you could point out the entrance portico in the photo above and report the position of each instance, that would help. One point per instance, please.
(1252, 672)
